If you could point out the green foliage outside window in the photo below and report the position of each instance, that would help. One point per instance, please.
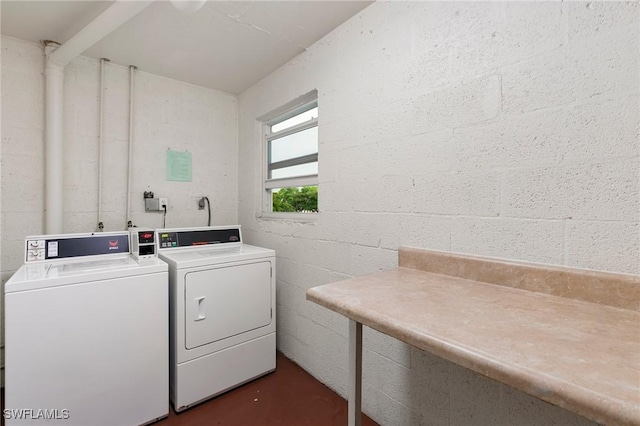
(294, 199)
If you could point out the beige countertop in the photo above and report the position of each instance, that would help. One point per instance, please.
(577, 354)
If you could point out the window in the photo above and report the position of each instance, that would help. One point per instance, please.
(291, 145)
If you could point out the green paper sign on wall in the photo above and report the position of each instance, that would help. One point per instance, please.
(179, 166)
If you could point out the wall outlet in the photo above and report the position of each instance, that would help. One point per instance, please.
(164, 202)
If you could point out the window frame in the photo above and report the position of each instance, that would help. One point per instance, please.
(305, 159)
(287, 111)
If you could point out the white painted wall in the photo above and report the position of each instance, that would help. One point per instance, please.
(168, 114)
(505, 129)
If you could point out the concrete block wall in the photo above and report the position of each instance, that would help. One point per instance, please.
(506, 129)
(168, 114)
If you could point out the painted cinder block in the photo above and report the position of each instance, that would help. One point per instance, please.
(530, 240)
(28, 200)
(325, 355)
(13, 249)
(534, 115)
(563, 135)
(21, 55)
(326, 318)
(367, 260)
(291, 296)
(78, 222)
(413, 155)
(369, 229)
(591, 19)
(371, 368)
(387, 347)
(395, 381)
(519, 408)
(304, 327)
(394, 413)
(599, 191)
(430, 398)
(286, 320)
(302, 275)
(394, 194)
(453, 43)
(16, 224)
(474, 194)
(474, 399)
(428, 231)
(22, 170)
(295, 349)
(504, 120)
(323, 254)
(460, 104)
(603, 245)
(579, 71)
(370, 399)
(157, 98)
(24, 92)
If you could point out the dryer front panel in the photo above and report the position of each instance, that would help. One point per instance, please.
(225, 302)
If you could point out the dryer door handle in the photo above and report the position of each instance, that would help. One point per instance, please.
(200, 315)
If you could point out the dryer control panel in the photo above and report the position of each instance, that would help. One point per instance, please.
(175, 238)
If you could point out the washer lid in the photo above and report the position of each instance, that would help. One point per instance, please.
(58, 273)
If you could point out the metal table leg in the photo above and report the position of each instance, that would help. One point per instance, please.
(355, 373)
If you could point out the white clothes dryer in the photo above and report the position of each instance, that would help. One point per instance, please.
(86, 333)
(222, 311)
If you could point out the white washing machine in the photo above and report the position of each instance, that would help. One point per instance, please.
(222, 311)
(86, 333)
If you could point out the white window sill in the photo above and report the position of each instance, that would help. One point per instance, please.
(289, 217)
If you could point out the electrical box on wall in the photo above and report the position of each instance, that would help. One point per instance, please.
(152, 204)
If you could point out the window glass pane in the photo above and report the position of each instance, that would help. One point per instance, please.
(299, 170)
(297, 119)
(295, 199)
(295, 145)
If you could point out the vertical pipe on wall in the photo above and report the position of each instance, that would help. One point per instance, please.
(57, 57)
(54, 149)
(132, 86)
(100, 143)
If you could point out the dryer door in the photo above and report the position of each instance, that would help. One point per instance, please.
(226, 301)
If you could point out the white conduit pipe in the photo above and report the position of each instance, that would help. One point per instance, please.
(132, 86)
(117, 14)
(100, 144)
(54, 148)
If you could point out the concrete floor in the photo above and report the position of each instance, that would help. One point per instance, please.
(288, 396)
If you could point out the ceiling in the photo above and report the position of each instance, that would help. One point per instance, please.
(226, 45)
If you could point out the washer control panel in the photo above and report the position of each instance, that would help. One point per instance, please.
(50, 247)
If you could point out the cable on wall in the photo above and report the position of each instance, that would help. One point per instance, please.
(164, 217)
(201, 205)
